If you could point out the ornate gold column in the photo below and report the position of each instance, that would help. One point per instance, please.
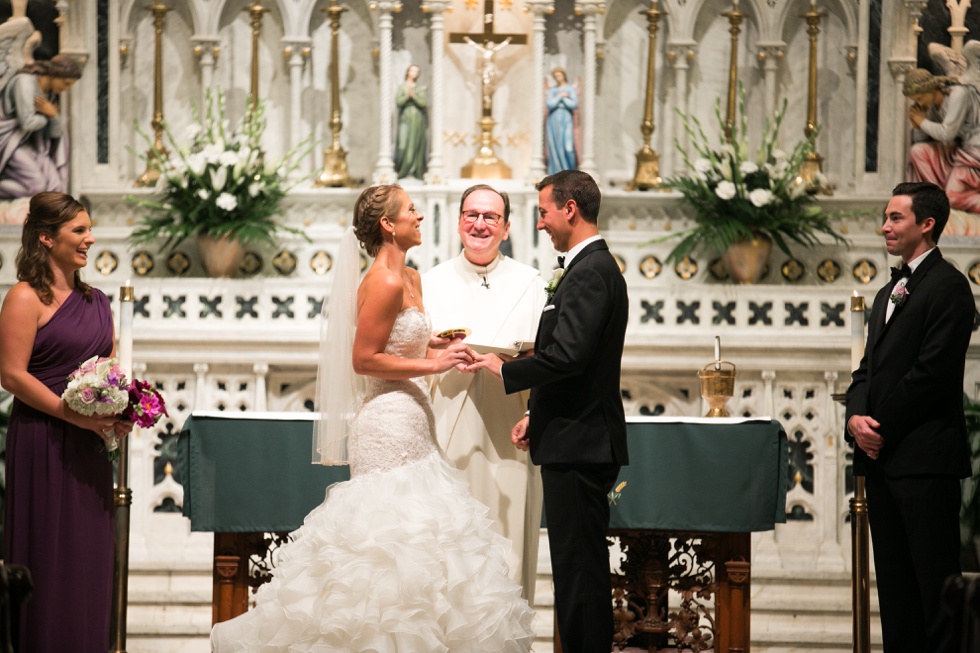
(812, 169)
(647, 160)
(735, 18)
(334, 171)
(158, 150)
(255, 10)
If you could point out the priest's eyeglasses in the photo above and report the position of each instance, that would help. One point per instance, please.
(492, 219)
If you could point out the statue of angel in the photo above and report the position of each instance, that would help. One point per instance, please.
(945, 115)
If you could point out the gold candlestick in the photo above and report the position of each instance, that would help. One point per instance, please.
(334, 171)
(255, 10)
(811, 171)
(158, 151)
(735, 18)
(647, 160)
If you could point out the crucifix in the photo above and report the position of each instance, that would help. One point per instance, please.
(486, 165)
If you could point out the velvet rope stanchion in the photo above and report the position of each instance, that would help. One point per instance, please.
(860, 570)
(122, 496)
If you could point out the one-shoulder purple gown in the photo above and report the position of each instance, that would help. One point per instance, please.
(59, 495)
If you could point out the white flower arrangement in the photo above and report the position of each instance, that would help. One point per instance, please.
(736, 196)
(218, 182)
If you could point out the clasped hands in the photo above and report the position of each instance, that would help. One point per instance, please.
(863, 429)
(457, 354)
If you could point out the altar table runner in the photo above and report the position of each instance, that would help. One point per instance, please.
(703, 474)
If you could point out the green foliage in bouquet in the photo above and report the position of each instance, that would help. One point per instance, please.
(218, 183)
(735, 197)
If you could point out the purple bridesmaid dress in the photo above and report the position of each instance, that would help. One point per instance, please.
(59, 495)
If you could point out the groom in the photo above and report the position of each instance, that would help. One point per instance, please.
(905, 414)
(575, 427)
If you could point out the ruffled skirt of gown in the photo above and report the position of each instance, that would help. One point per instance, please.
(396, 560)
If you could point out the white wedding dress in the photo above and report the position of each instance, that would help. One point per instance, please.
(401, 558)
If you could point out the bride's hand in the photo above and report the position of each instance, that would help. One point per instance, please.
(454, 355)
(435, 342)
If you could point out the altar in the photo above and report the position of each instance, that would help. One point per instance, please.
(693, 493)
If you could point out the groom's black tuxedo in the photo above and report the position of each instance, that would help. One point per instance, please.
(911, 381)
(577, 433)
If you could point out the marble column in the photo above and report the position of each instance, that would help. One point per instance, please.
(769, 57)
(900, 143)
(538, 9)
(384, 171)
(680, 55)
(590, 10)
(206, 49)
(296, 52)
(435, 168)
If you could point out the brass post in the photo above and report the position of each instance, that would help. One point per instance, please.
(255, 10)
(334, 171)
(735, 18)
(122, 499)
(647, 160)
(813, 163)
(860, 570)
(158, 150)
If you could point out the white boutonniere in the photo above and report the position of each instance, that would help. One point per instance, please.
(552, 286)
(899, 295)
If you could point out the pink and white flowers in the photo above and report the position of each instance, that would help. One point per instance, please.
(99, 387)
(899, 294)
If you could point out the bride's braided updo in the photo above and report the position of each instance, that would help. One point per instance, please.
(373, 204)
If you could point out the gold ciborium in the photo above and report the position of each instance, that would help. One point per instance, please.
(717, 387)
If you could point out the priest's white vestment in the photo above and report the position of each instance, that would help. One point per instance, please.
(500, 303)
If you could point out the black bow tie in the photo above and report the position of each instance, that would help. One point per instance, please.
(561, 261)
(904, 271)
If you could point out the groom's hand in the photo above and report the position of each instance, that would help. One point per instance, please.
(488, 362)
(519, 434)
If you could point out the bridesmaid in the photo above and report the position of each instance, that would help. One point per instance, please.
(59, 479)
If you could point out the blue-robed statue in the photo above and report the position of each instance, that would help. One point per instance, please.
(562, 102)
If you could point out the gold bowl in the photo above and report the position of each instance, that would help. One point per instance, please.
(717, 387)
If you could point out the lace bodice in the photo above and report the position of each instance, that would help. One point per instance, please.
(395, 425)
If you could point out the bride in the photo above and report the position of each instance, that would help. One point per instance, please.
(401, 558)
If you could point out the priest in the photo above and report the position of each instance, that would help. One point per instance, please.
(499, 301)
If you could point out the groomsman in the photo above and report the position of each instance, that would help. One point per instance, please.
(905, 413)
(576, 427)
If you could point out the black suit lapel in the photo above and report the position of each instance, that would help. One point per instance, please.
(588, 249)
(920, 273)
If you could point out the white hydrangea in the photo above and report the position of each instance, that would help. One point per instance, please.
(760, 197)
(227, 201)
(747, 168)
(725, 190)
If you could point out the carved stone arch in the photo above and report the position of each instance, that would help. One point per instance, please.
(132, 12)
(847, 11)
(803, 509)
(363, 11)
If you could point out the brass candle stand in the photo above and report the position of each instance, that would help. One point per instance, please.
(334, 171)
(647, 160)
(812, 169)
(255, 11)
(158, 151)
(735, 18)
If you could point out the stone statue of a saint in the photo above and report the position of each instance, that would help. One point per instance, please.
(562, 102)
(410, 142)
(946, 136)
(33, 141)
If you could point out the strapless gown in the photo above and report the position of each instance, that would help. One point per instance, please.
(401, 557)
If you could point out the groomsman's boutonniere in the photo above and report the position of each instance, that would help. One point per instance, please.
(553, 284)
(899, 295)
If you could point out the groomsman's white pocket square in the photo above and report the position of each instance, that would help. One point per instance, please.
(549, 307)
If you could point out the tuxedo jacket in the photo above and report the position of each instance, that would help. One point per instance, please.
(574, 375)
(911, 377)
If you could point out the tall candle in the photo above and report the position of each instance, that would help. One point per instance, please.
(125, 350)
(717, 352)
(857, 330)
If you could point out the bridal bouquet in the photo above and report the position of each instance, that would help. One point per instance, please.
(99, 387)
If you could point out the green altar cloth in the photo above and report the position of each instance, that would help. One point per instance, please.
(703, 475)
(251, 472)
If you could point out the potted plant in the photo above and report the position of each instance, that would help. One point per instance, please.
(218, 187)
(742, 204)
